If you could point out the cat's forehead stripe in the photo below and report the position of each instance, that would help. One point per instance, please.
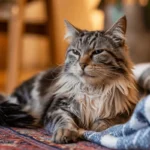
(91, 39)
(88, 38)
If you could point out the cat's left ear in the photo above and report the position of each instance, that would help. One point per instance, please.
(118, 30)
(71, 31)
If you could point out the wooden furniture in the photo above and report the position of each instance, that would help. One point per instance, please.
(15, 31)
(12, 12)
(16, 24)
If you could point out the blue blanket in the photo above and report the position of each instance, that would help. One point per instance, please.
(135, 134)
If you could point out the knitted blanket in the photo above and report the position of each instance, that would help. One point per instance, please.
(135, 134)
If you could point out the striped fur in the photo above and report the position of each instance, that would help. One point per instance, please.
(94, 89)
(142, 74)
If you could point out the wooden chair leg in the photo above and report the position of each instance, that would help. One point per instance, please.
(15, 30)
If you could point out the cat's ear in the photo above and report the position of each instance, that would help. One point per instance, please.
(118, 30)
(71, 31)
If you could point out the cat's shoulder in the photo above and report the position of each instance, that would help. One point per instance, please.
(51, 73)
(48, 78)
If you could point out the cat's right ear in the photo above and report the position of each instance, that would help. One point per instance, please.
(118, 30)
(71, 31)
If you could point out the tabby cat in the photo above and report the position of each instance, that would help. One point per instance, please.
(93, 90)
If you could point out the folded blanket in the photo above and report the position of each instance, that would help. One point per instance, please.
(142, 75)
(135, 134)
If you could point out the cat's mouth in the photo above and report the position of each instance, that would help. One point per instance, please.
(84, 74)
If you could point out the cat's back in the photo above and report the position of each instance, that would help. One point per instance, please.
(40, 82)
(33, 94)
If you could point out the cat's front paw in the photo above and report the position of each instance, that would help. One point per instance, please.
(64, 136)
(100, 125)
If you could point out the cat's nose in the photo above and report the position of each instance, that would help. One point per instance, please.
(83, 65)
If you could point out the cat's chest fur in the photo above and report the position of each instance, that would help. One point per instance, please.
(90, 107)
(103, 102)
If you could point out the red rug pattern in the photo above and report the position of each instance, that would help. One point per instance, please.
(37, 139)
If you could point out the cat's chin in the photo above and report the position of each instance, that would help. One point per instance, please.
(95, 81)
(90, 80)
(85, 75)
(87, 79)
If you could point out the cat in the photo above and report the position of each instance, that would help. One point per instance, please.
(93, 90)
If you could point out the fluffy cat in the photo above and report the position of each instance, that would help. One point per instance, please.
(93, 90)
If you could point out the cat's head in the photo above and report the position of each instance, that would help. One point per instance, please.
(96, 57)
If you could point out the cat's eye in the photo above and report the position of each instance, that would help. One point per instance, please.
(76, 52)
(97, 51)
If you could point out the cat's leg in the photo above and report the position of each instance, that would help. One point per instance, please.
(103, 124)
(62, 124)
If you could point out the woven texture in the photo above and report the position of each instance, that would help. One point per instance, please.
(37, 139)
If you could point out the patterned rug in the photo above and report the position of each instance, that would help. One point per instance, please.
(37, 139)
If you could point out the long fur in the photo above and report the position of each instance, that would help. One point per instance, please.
(93, 90)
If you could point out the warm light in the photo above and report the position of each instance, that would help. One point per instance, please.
(143, 2)
(15, 10)
(130, 2)
(97, 19)
(92, 3)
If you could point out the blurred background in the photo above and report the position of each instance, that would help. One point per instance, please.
(32, 32)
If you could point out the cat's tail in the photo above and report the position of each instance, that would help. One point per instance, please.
(12, 115)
